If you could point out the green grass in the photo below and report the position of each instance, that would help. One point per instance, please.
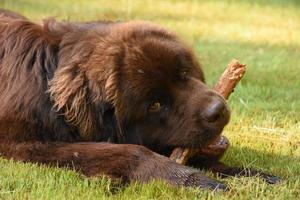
(265, 125)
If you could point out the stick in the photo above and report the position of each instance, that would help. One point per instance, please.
(225, 86)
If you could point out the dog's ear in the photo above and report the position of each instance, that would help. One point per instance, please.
(113, 97)
(110, 129)
(76, 87)
(70, 93)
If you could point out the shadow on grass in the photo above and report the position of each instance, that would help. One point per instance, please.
(272, 163)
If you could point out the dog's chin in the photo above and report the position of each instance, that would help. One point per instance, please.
(204, 139)
(196, 140)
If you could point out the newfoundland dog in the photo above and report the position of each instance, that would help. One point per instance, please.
(106, 98)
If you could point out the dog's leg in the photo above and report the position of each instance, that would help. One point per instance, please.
(216, 166)
(124, 162)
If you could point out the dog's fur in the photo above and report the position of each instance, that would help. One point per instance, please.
(79, 95)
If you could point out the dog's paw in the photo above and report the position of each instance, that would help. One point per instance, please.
(270, 178)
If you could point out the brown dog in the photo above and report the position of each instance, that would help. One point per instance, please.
(93, 96)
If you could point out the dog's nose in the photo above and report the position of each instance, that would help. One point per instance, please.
(215, 111)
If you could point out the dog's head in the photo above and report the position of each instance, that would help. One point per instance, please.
(139, 84)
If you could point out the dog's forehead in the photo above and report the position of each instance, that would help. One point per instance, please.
(153, 63)
(157, 59)
(157, 74)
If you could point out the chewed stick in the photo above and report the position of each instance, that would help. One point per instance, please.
(225, 86)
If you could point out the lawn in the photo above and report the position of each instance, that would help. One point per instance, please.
(265, 126)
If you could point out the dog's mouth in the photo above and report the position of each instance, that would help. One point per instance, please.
(215, 150)
(209, 137)
(217, 147)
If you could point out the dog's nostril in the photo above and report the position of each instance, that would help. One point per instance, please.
(215, 111)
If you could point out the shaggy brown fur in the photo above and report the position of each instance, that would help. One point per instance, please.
(93, 96)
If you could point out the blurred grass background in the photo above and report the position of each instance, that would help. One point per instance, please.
(265, 125)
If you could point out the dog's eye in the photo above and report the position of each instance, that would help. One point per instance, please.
(183, 74)
(154, 106)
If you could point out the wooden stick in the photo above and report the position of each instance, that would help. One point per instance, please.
(230, 78)
(225, 86)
